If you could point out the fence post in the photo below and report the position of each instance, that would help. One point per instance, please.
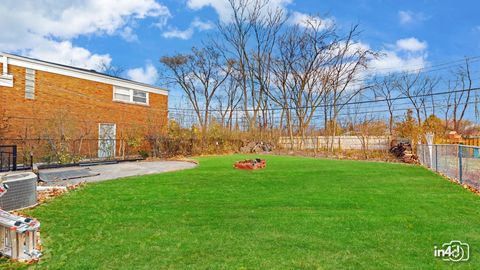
(460, 165)
(31, 160)
(14, 158)
(424, 155)
(436, 157)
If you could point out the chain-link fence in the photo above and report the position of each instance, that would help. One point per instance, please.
(459, 162)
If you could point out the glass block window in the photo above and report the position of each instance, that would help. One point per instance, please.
(29, 83)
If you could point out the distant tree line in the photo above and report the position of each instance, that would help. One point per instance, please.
(281, 77)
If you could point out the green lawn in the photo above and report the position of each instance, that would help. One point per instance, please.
(299, 213)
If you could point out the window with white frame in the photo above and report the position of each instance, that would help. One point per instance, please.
(29, 83)
(140, 96)
(130, 95)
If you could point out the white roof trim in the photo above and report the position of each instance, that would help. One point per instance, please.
(86, 75)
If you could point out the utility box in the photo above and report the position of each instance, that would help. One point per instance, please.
(22, 191)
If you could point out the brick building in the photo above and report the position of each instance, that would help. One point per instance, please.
(62, 112)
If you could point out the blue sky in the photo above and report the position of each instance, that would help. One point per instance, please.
(451, 29)
(135, 34)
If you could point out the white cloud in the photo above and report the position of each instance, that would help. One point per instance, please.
(405, 17)
(411, 44)
(128, 34)
(358, 47)
(176, 33)
(391, 62)
(70, 19)
(64, 52)
(224, 10)
(44, 29)
(147, 74)
(306, 20)
(186, 34)
(410, 17)
(407, 55)
(201, 25)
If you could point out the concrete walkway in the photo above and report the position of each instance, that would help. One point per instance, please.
(120, 170)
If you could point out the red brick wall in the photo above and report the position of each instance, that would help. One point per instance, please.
(73, 105)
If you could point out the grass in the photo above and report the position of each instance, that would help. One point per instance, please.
(299, 213)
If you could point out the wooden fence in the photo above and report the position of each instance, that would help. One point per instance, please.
(465, 141)
(472, 141)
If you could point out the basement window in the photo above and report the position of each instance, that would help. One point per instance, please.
(130, 95)
(29, 83)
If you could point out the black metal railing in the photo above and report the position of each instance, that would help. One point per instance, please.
(8, 158)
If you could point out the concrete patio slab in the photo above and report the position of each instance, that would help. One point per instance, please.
(120, 170)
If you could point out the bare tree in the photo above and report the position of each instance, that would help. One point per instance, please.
(109, 69)
(451, 85)
(385, 89)
(460, 95)
(200, 74)
(280, 94)
(350, 59)
(310, 70)
(477, 107)
(366, 127)
(300, 71)
(249, 38)
(417, 88)
(228, 100)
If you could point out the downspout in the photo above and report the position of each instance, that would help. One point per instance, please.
(5, 65)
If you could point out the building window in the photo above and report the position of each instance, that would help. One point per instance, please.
(29, 83)
(122, 94)
(130, 95)
(139, 96)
